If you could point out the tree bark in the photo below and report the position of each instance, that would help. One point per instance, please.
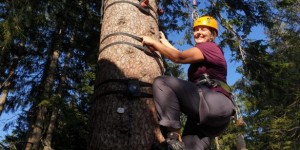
(35, 135)
(55, 111)
(118, 121)
(37, 128)
(3, 96)
(7, 84)
(51, 127)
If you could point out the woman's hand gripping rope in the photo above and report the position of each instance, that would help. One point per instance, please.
(149, 42)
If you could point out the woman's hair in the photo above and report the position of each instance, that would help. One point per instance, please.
(214, 34)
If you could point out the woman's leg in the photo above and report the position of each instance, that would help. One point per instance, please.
(193, 142)
(173, 96)
(220, 108)
(198, 137)
(216, 110)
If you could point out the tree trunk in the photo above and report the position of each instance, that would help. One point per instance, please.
(37, 128)
(3, 96)
(39, 124)
(6, 84)
(119, 121)
(51, 127)
(60, 92)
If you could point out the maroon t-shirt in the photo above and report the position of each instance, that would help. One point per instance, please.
(214, 65)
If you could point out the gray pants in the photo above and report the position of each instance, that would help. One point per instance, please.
(208, 112)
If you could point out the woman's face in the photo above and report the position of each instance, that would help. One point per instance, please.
(202, 34)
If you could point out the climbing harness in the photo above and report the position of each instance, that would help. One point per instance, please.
(205, 80)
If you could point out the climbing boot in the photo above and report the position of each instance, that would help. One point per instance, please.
(173, 142)
(160, 146)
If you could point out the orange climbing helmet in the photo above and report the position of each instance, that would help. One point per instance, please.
(206, 21)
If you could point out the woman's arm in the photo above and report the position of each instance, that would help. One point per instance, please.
(191, 55)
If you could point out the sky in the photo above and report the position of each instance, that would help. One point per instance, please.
(4, 118)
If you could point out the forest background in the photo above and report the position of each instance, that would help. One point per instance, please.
(35, 32)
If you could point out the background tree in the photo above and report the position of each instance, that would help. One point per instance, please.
(269, 86)
(267, 91)
(66, 28)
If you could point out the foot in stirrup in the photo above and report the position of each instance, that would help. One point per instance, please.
(173, 142)
(160, 146)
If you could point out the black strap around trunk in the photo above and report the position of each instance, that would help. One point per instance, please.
(123, 33)
(126, 92)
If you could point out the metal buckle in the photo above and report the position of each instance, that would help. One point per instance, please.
(133, 88)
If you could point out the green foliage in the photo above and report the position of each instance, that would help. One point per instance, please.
(271, 78)
(172, 69)
(36, 29)
(17, 139)
(71, 129)
(44, 103)
(268, 89)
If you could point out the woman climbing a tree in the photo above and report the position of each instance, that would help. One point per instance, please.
(205, 99)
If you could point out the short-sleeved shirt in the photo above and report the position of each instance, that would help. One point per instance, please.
(214, 65)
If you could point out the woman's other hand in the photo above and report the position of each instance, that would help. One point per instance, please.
(149, 42)
(162, 36)
(165, 41)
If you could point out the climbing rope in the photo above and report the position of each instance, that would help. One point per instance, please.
(142, 48)
(123, 33)
(238, 118)
(195, 14)
(145, 8)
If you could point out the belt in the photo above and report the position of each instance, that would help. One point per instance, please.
(222, 84)
(213, 83)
